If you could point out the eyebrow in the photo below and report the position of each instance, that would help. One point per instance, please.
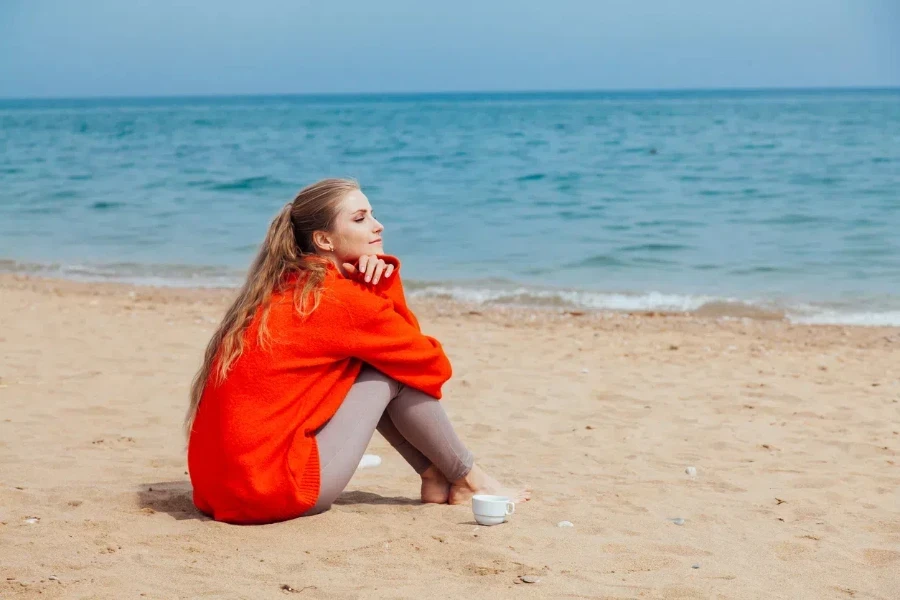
(361, 210)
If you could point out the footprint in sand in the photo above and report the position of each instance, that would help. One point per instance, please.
(876, 557)
(789, 551)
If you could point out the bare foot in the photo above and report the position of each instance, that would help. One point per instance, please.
(479, 482)
(435, 487)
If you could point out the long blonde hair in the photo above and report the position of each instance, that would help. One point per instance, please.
(288, 249)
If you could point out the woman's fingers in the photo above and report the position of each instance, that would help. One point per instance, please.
(370, 268)
(378, 271)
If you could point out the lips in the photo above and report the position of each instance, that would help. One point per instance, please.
(378, 241)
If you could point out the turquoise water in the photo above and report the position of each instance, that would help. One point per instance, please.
(786, 200)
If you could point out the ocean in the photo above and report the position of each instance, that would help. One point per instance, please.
(784, 202)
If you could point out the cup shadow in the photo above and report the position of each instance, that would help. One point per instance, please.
(480, 525)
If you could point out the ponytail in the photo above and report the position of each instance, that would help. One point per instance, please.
(277, 256)
(280, 256)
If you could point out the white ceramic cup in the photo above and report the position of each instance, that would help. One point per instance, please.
(491, 510)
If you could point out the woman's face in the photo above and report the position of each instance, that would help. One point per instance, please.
(356, 231)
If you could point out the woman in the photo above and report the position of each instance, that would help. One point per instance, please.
(318, 350)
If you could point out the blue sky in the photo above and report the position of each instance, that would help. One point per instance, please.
(69, 48)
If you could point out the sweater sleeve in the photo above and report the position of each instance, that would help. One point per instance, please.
(379, 334)
(392, 289)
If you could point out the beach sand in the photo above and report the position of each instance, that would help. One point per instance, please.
(793, 430)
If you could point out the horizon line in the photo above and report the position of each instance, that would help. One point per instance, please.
(447, 93)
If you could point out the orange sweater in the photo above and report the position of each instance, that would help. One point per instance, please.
(252, 453)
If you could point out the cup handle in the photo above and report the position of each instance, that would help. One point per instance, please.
(510, 508)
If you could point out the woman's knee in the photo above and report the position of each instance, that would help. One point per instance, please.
(368, 373)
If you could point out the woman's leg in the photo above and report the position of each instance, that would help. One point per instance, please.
(343, 440)
(422, 422)
(435, 487)
(389, 432)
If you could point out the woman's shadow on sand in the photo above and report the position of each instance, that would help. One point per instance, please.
(357, 497)
(175, 498)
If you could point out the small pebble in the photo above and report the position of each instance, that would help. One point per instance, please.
(53, 578)
(565, 524)
(692, 471)
(32, 520)
(529, 578)
(695, 566)
(585, 371)
(678, 521)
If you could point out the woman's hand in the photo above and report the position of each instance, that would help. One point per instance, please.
(369, 269)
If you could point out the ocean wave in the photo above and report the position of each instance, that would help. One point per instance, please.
(890, 318)
(794, 219)
(598, 260)
(700, 304)
(106, 205)
(497, 292)
(526, 296)
(246, 183)
(134, 273)
(655, 248)
(532, 177)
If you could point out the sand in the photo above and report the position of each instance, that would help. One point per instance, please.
(794, 433)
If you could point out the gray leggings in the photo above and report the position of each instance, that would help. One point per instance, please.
(413, 422)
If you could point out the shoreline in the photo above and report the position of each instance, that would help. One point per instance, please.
(438, 304)
(512, 296)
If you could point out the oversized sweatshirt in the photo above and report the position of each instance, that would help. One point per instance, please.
(252, 454)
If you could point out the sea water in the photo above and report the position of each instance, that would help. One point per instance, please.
(787, 201)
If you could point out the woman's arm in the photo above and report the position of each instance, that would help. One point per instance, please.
(391, 287)
(384, 334)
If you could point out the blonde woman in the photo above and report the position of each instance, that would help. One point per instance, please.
(319, 350)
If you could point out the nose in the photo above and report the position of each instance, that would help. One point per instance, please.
(378, 226)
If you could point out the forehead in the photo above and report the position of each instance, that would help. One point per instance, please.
(355, 201)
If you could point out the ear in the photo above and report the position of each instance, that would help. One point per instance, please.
(322, 241)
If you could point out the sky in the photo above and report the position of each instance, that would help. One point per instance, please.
(91, 48)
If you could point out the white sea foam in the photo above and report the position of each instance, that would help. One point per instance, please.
(502, 293)
(889, 318)
(720, 306)
(574, 298)
(133, 273)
